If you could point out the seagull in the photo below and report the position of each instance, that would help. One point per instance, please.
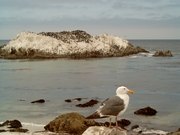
(113, 106)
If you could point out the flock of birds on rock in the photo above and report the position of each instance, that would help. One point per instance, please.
(67, 36)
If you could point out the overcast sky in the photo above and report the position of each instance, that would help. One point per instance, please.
(130, 19)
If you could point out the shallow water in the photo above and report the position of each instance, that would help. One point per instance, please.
(155, 81)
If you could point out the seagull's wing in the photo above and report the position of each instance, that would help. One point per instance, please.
(110, 107)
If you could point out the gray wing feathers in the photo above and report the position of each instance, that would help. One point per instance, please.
(112, 106)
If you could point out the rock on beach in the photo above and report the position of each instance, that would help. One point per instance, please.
(77, 124)
(96, 130)
(148, 111)
(75, 44)
(38, 101)
(69, 123)
(12, 126)
(91, 103)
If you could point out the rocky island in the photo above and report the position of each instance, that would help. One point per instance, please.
(75, 44)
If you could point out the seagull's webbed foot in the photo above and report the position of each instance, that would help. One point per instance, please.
(119, 128)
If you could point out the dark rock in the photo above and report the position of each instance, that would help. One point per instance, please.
(125, 122)
(122, 123)
(68, 100)
(134, 127)
(38, 101)
(74, 99)
(129, 50)
(15, 124)
(91, 103)
(139, 49)
(19, 130)
(148, 111)
(2, 130)
(12, 124)
(69, 123)
(163, 54)
(78, 99)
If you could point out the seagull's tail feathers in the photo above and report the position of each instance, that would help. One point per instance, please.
(95, 116)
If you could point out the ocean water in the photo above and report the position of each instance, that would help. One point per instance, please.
(155, 81)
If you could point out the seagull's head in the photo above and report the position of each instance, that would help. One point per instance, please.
(123, 90)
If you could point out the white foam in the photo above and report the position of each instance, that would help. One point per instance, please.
(139, 55)
(144, 130)
(33, 127)
(159, 132)
(32, 124)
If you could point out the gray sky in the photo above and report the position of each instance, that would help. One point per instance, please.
(130, 19)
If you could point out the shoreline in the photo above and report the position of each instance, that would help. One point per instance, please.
(139, 131)
(38, 129)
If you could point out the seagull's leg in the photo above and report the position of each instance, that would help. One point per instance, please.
(116, 122)
(117, 125)
(110, 122)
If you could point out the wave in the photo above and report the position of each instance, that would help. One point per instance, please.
(144, 130)
(139, 55)
(32, 124)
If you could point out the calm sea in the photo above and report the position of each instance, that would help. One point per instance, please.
(155, 81)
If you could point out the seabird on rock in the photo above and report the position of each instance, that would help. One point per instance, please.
(113, 106)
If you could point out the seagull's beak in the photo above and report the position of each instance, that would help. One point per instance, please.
(131, 92)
